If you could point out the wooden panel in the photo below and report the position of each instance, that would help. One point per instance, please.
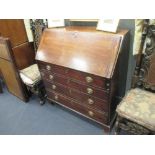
(57, 87)
(47, 76)
(13, 29)
(90, 101)
(11, 78)
(150, 76)
(61, 47)
(11, 74)
(96, 92)
(24, 55)
(4, 53)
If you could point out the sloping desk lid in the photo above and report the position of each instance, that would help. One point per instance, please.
(81, 48)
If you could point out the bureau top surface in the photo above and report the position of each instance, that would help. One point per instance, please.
(81, 48)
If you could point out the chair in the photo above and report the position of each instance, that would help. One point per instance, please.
(20, 72)
(136, 112)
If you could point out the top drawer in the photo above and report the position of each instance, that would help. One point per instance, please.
(85, 78)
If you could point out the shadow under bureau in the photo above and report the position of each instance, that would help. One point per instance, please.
(80, 68)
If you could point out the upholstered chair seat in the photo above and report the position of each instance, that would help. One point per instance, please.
(138, 106)
(30, 75)
(32, 79)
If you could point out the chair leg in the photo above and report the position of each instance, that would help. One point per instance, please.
(42, 97)
(117, 127)
(1, 90)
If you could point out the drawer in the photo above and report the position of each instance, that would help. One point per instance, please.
(53, 68)
(54, 78)
(88, 79)
(100, 117)
(85, 78)
(87, 100)
(57, 87)
(90, 101)
(89, 90)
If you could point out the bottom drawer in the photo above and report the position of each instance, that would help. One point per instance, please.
(86, 111)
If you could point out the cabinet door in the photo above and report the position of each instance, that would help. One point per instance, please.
(11, 79)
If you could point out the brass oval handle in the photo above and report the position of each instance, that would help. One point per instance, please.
(56, 97)
(90, 113)
(89, 91)
(48, 67)
(89, 79)
(90, 101)
(51, 77)
(54, 87)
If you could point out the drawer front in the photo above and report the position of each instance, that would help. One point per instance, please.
(57, 87)
(89, 90)
(90, 101)
(88, 79)
(52, 77)
(91, 113)
(85, 78)
(53, 68)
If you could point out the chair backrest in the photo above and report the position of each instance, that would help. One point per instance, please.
(145, 77)
(9, 70)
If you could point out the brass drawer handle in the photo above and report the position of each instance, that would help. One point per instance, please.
(51, 77)
(89, 79)
(91, 113)
(56, 97)
(48, 67)
(90, 101)
(54, 87)
(89, 91)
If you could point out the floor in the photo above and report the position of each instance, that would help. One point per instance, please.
(17, 117)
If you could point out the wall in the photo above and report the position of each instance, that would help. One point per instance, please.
(125, 24)
(129, 24)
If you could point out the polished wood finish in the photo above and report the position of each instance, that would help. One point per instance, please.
(11, 78)
(13, 29)
(76, 56)
(80, 69)
(24, 55)
(19, 56)
(9, 70)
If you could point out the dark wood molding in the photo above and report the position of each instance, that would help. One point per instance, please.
(146, 74)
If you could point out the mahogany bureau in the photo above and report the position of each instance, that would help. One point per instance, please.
(79, 67)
